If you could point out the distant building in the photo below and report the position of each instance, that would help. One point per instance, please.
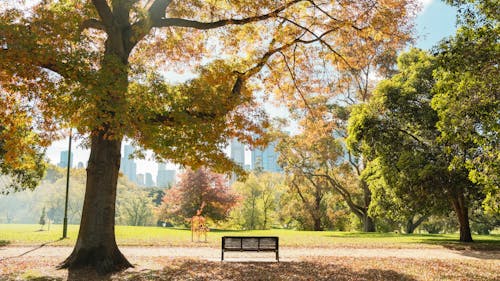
(165, 178)
(267, 159)
(80, 165)
(127, 165)
(140, 179)
(149, 180)
(63, 161)
(238, 152)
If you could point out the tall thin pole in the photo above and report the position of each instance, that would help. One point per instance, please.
(65, 221)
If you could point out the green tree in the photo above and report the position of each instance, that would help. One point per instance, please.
(91, 65)
(301, 158)
(260, 195)
(43, 216)
(135, 208)
(398, 129)
(394, 194)
(468, 96)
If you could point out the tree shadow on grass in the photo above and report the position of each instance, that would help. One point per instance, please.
(206, 270)
(481, 249)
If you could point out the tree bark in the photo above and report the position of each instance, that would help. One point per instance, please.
(411, 226)
(368, 223)
(96, 244)
(462, 211)
(317, 224)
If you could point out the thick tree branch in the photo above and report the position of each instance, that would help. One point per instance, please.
(157, 9)
(413, 137)
(167, 119)
(179, 22)
(104, 12)
(92, 23)
(299, 192)
(354, 164)
(358, 210)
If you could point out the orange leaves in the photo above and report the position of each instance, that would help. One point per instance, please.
(294, 49)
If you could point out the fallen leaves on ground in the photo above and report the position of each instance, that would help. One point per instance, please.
(328, 268)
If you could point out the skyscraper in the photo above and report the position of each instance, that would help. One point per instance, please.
(140, 179)
(63, 163)
(266, 160)
(165, 178)
(149, 180)
(127, 165)
(237, 152)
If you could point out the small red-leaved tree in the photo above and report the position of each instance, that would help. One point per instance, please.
(194, 189)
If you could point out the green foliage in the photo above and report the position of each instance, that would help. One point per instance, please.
(41, 221)
(467, 96)
(131, 203)
(440, 224)
(259, 206)
(404, 97)
(135, 207)
(410, 164)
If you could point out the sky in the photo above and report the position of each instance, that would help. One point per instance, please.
(435, 21)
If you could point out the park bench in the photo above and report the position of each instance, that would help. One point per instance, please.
(250, 244)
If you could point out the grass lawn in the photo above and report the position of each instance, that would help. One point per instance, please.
(26, 234)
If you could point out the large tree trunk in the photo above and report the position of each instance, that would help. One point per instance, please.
(368, 223)
(96, 245)
(462, 211)
(317, 224)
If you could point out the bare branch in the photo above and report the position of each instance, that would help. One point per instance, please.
(330, 16)
(301, 94)
(320, 39)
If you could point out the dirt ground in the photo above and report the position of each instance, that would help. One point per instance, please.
(203, 263)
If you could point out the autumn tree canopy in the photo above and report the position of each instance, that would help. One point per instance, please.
(99, 66)
(198, 190)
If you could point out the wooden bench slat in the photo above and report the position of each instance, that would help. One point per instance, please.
(250, 243)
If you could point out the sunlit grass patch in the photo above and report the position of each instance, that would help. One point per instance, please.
(19, 234)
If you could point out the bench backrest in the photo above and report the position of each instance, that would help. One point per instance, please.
(250, 242)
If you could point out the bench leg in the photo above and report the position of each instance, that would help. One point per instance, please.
(222, 255)
(277, 255)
